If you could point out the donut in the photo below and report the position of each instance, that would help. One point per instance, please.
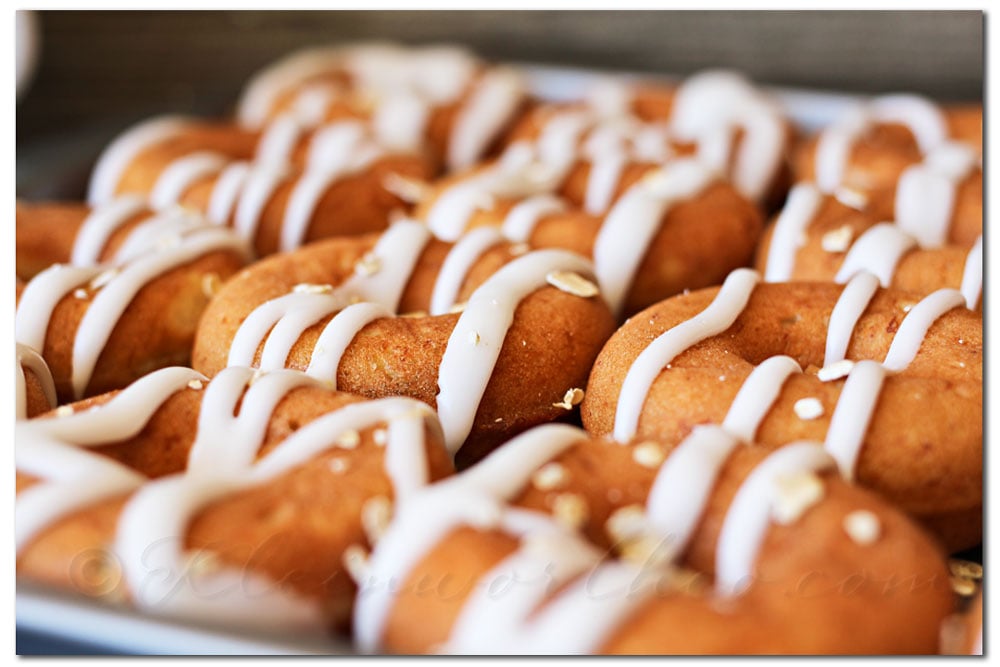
(35, 392)
(160, 497)
(904, 158)
(675, 227)
(439, 97)
(516, 355)
(962, 632)
(890, 382)
(232, 177)
(102, 326)
(823, 237)
(750, 551)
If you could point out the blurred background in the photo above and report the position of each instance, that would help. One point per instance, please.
(97, 71)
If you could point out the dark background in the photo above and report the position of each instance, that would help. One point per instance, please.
(100, 71)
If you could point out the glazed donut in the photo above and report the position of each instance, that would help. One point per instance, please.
(675, 227)
(35, 392)
(439, 97)
(516, 355)
(270, 202)
(891, 383)
(903, 158)
(820, 237)
(100, 327)
(751, 552)
(717, 116)
(161, 496)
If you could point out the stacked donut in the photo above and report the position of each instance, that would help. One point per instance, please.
(251, 364)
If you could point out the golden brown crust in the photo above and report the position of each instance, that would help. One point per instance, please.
(923, 448)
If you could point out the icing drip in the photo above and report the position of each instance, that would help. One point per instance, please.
(493, 100)
(710, 107)
(803, 204)
(926, 192)
(746, 522)
(605, 172)
(115, 159)
(400, 121)
(524, 216)
(100, 224)
(466, 368)
(32, 360)
(972, 275)
(851, 304)
(226, 191)
(917, 322)
(634, 220)
(181, 174)
(460, 259)
(342, 148)
(337, 335)
(279, 139)
(757, 396)
(833, 149)
(853, 413)
(878, 250)
(258, 187)
(716, 318)
(39, 299)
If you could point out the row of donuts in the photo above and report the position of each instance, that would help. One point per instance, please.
(324, 294)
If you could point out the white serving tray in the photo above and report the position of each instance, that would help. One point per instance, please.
(123, 630)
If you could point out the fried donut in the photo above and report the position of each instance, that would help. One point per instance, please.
(272, 204)
(778, 556)
(35, 392)
(903, 158)
(530, 326)
(440, 97)
(892, 383)
(161, 496)
(675, 227)
(819, 237)
(717, 116)
(101, 327)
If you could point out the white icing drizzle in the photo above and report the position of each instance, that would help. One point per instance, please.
(100, 224)
(466, 368)
(226, 191)
(878, 250)
(39, 299)
(115, 159)
(475, 496)
(926, 192)
(634, 220)
(400, 119)
(162, 229)
(757, 396)
(972, 274)
(524, 216)
(342, 147)
(853, 413)
(716, 318)
(605, 172)
(684, 484)
(709, 107)
(279, 139)
(459, 260)
(337, 335)
(261, 182)
(924, 120)
(182, 173)
(243, 433)
(748, 517)
(917, 322)
(851, 304)
(493, 100)
(803, 204)
(283, 320)
(33, 361)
